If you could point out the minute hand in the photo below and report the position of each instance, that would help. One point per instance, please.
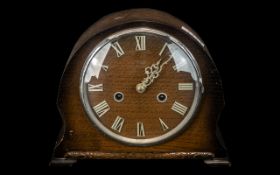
(152, 73)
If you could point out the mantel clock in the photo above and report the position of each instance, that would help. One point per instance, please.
(140, 84)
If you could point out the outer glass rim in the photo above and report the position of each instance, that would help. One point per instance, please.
(149, 141)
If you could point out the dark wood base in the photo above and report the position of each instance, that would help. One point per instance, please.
(72, 157)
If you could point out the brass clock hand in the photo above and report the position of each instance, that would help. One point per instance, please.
(152, 73)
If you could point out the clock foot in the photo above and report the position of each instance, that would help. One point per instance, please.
(62, 162)
(218, 162)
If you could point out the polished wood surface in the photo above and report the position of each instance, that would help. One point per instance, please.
(79, 136)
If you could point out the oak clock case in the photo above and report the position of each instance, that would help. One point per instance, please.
(140, 84)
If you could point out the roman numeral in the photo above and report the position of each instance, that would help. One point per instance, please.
(118, 48)
(185, 86)
(140, 42)
(164, 127)
(161, 51)
(140, 129)
(101, 108)
(92, 88)
(179, 108)
(118, 124)
(105, 67)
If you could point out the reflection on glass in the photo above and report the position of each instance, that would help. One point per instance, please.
(182, 60)
(96, 63)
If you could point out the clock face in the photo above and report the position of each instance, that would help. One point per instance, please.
(140, 86)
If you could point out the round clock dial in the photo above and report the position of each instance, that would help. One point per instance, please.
(140, 86)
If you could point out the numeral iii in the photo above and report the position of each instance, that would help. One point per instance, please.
(185, 86)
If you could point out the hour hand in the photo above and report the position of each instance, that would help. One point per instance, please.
(152, 72)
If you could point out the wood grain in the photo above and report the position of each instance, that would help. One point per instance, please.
(80, 137)
(135, 155)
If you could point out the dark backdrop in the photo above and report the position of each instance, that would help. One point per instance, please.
(46, 33)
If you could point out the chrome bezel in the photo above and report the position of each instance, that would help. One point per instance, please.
(149, 141)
